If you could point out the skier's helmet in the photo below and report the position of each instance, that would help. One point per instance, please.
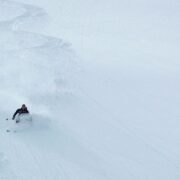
(23, 106)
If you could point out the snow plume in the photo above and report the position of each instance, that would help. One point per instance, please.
(25, 71)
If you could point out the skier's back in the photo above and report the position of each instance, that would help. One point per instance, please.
(22, 110)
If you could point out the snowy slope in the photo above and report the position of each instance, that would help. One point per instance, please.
(105, 107)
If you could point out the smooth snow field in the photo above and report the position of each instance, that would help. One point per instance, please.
(101, 80)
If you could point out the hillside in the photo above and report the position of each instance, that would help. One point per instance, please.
(101, 80)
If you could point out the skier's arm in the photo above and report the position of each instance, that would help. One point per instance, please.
(17, 111)
(27, 110)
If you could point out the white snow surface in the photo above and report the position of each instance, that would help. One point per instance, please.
(101, 80)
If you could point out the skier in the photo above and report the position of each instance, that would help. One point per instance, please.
(22, 110)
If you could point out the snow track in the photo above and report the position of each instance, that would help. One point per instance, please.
(33, 52)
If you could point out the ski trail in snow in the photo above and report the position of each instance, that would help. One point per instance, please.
(26, 11)
(41, 155)
(41, 57)
(16, 23)
(36, 45)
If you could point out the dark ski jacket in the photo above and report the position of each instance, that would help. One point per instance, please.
(20, 111)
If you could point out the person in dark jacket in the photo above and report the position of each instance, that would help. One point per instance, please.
(22, 110)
